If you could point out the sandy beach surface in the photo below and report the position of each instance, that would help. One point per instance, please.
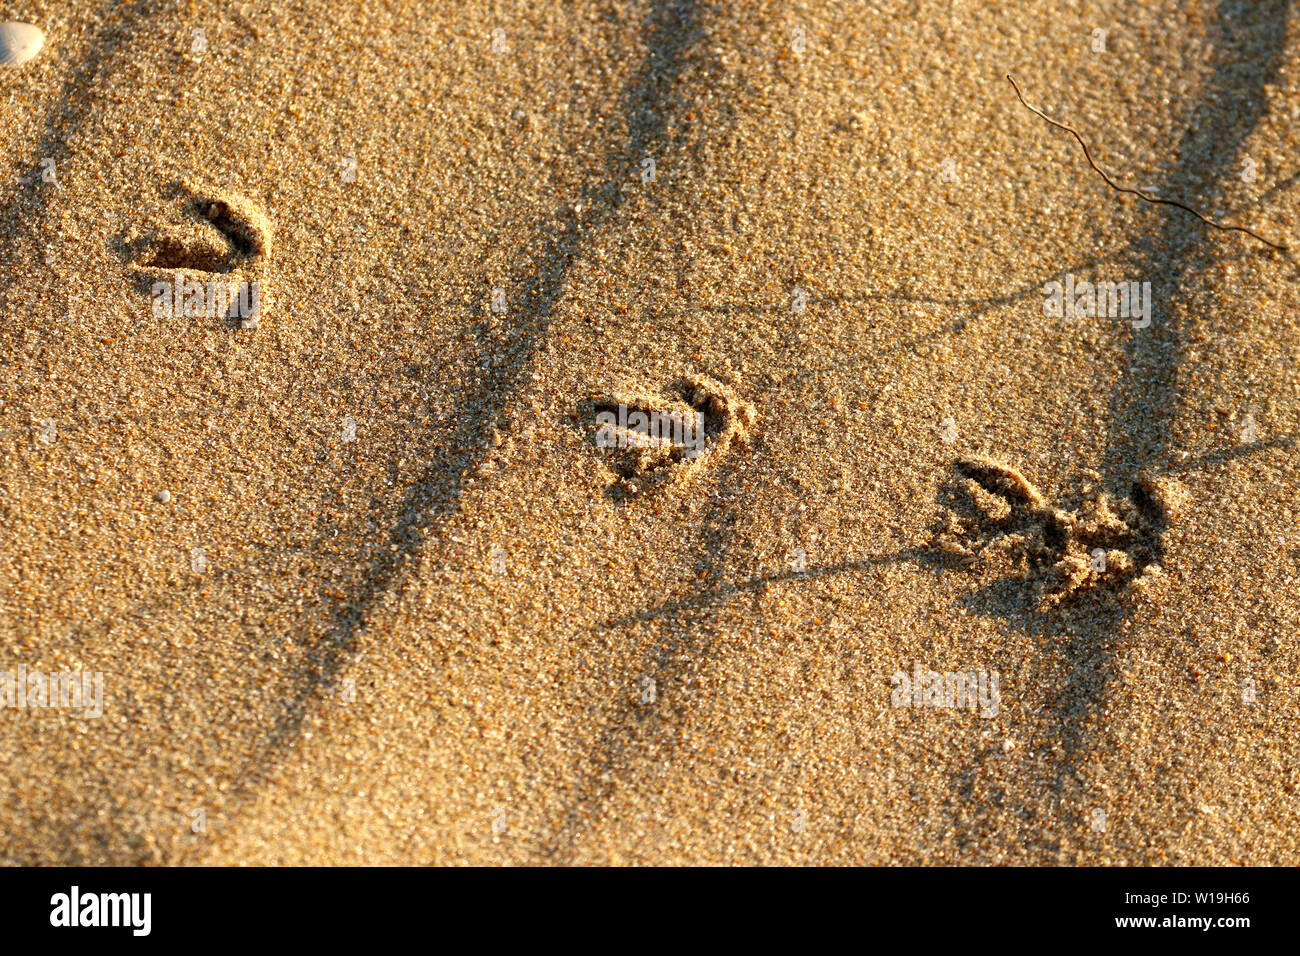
(362, 584)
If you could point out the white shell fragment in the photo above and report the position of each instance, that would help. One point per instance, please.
(19, 42)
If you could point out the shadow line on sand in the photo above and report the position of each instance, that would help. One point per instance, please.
(1249, 42)
(22, 216)
(539, 283)
(77, 98)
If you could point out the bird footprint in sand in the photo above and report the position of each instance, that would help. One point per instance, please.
(213, 264)
(653, 442)
(994, 513)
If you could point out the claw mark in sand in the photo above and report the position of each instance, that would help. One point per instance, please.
(996, 516)
(224, 238)
(654, 442)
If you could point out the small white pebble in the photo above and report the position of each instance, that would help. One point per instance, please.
(19, 42)
(1008, 745)
(163, 496)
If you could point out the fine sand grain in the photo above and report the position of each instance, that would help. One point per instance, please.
(361, 583)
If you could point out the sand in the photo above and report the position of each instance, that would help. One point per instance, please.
(363, 588)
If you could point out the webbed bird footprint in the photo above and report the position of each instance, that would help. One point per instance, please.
(656, 441)
(211, 264)
(994, 514)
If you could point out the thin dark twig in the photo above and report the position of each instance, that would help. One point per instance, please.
(1123, 189)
